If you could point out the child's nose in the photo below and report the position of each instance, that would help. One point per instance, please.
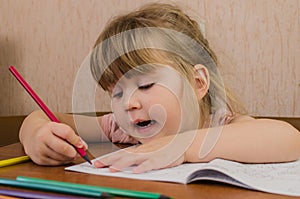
(133, 103)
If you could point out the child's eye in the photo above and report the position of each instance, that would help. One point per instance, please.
(117, 95)
(146, 86)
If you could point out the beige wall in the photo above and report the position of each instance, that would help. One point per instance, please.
(258, 41)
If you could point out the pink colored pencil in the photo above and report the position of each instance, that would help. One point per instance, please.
(43, 106)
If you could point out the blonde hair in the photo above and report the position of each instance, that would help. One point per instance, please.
(158, 33)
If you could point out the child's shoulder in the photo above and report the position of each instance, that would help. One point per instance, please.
(224, 117)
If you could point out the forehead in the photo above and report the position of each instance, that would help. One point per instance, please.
(107, 73)
(118, 73)
(119, 69)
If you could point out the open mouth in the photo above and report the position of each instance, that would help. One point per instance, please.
(145, 124)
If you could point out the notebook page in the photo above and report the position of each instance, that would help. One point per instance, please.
(281, 178)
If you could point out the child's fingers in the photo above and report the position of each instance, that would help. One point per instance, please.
(55, 162)
(85, 146)
(45, 160)
(67, 133)
(143, 162)
(50, 145)
(120, 160)
(46, 156)
(109, 159)
(125, 162)
(59, 156)
(99, 164)
(59, 145)
(148, 165)
(157, 162)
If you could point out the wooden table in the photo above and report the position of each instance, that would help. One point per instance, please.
(203, 189)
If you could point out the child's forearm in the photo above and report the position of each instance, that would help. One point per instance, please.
(253, 141)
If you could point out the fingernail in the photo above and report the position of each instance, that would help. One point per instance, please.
(113, 170)
(79, 143)
(99, 164)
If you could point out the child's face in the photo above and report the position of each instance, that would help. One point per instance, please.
(148, 106)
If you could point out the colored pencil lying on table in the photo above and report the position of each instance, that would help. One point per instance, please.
(53, 188)
(7, 197)
(13, 161)
(32, 195)
(112, 191)
(42, 105)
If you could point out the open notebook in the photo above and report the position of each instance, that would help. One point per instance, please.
(279, 178)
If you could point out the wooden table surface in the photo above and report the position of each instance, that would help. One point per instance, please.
(203, 189)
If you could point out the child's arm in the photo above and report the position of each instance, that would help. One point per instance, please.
(253, 141)
(244, 140)
(50, 143)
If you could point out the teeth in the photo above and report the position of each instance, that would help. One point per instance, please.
(145, 124)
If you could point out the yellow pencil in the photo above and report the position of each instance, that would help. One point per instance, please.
(7, 197)
(13, 161)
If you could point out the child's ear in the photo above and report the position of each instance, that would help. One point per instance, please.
(201, 76)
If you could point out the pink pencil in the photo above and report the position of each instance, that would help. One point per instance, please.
(43, 106)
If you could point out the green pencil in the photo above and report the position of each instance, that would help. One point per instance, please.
(113, 191)
(52, 188)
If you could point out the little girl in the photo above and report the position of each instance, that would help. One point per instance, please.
(168, 99)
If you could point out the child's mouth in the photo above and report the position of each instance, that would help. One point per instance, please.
(145, 124)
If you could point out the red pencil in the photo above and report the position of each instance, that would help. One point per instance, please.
(43, 106)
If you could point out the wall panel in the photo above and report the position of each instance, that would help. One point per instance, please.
(257, 41)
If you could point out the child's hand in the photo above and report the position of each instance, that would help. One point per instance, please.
(160, 153)
(51, 144)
